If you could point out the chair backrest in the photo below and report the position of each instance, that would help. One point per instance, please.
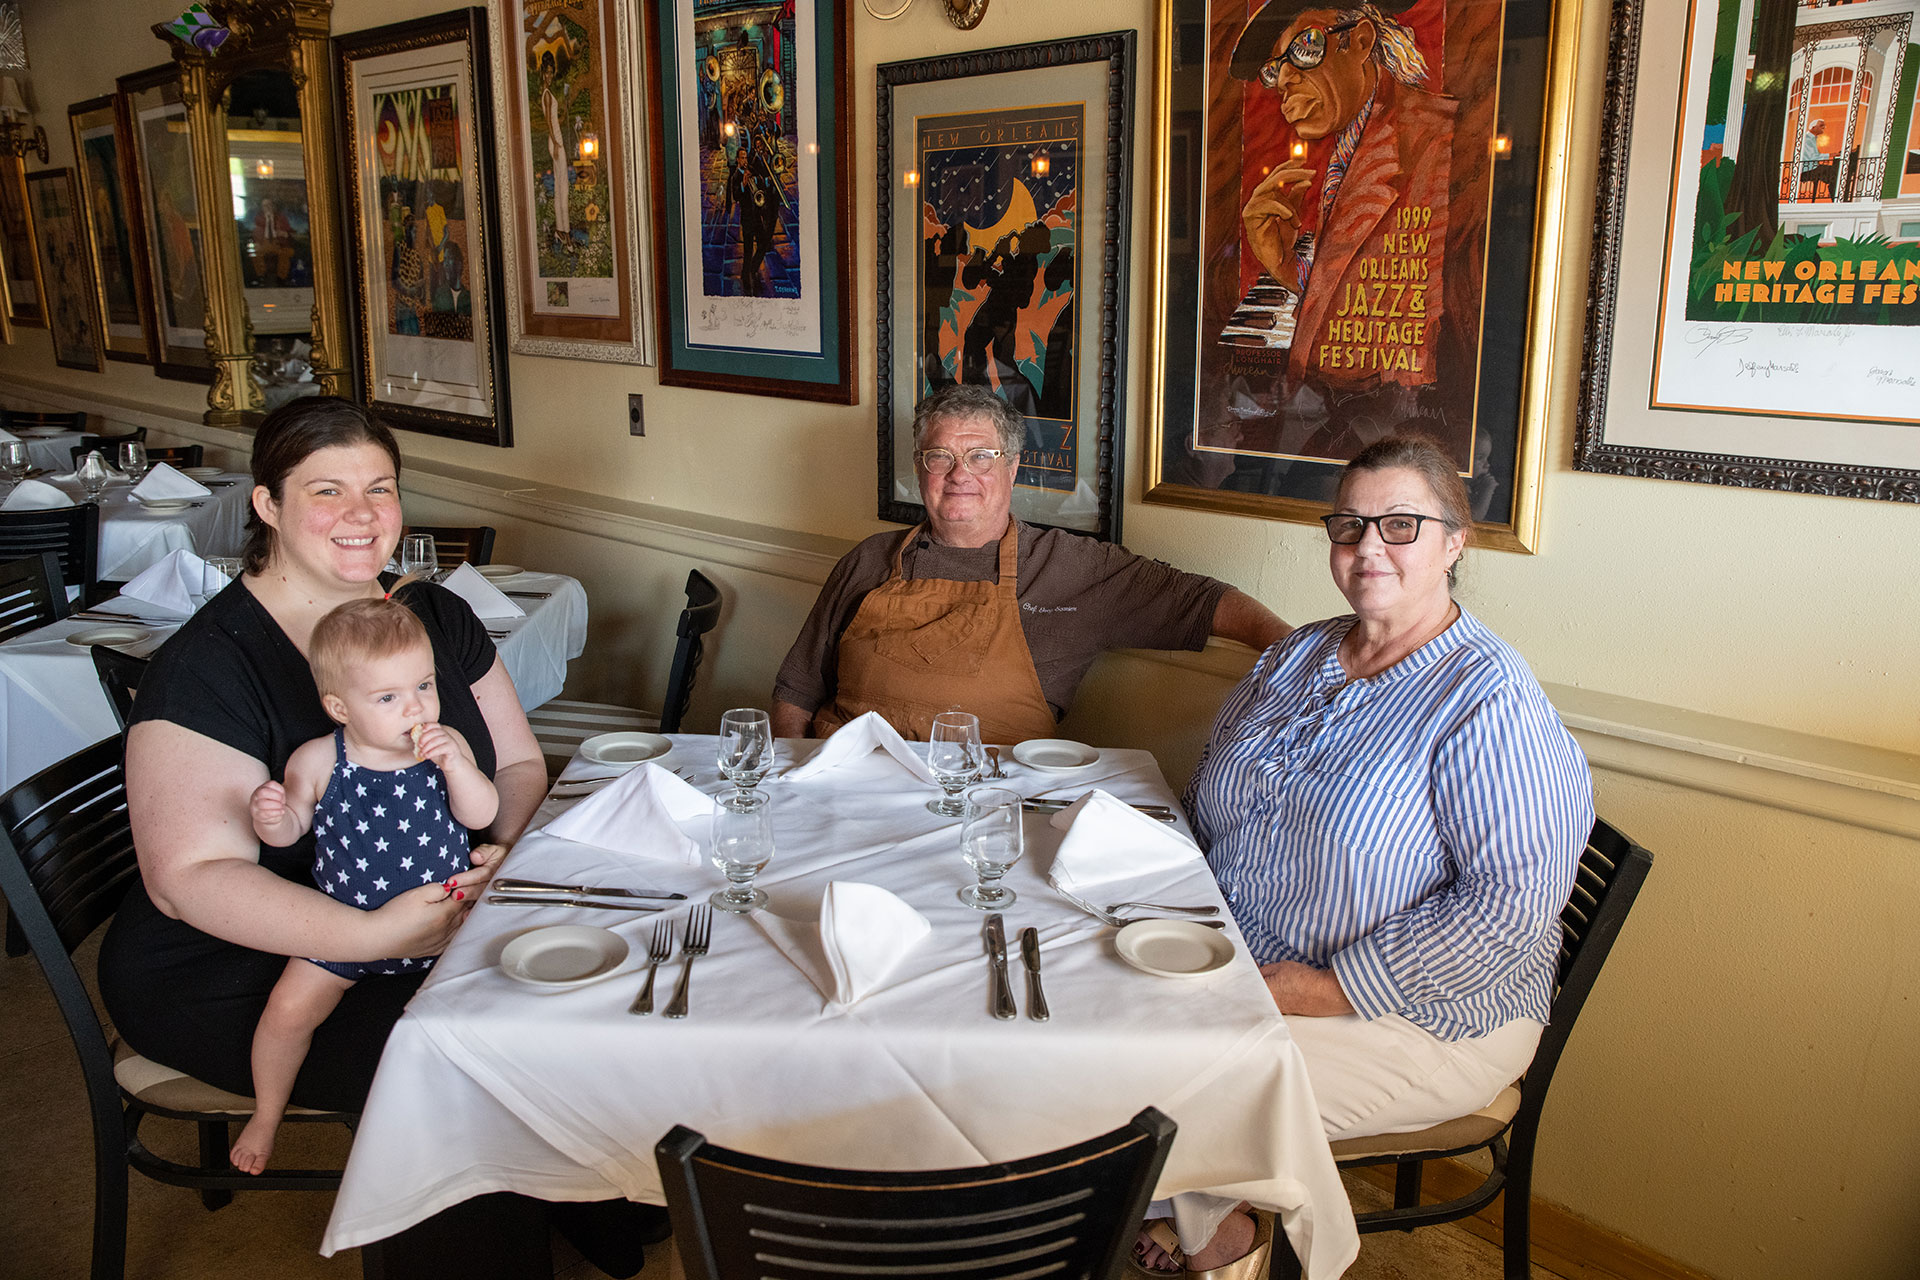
(1071, 1213)
(69, 857)
(11, 418)
(1612, 869)
(120, 675)
(32, 594)
(459, 544)
(109, 446)
(698, 618)
(71, 533)
(174, 455)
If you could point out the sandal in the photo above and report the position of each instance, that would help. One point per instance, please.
(1162, 1233)
(1253, 1263)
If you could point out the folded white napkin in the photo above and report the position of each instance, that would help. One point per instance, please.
(7, 435)
(1108, 839)
(35, 495)
(177, 582)
(638, 814)
(485, 598)
(163, 483)
(863, 934)
(856, 740)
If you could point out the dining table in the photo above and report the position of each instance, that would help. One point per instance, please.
(135, 536)
(52, 705)
(48, 448)
(493, 1081)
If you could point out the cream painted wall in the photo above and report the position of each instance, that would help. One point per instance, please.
(1739, 1093)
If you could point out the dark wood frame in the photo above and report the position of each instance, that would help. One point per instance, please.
(128, 216)
(832, 375)
(85, 286)
(1591, 450)
(466, 28)
(13, 171)
(140, 219)
(1100, 374)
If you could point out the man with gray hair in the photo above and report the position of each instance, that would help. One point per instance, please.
(979, 610)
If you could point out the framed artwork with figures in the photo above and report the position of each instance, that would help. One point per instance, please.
(99, 148)
(167, 235)
(60, 236)
(22, 268)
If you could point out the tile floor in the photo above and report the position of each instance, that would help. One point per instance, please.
(46, 1188)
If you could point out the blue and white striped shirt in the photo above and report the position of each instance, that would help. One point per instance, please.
(1418, 831)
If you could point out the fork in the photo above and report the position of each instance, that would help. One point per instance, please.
(1108, 917)
(658, 951)
(692, 947)
(1118, 907)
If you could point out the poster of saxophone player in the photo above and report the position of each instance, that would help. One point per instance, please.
(1358, 162)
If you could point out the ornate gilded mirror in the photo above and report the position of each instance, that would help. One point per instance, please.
(261, 123)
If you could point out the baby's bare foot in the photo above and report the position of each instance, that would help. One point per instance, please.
(255, 1146)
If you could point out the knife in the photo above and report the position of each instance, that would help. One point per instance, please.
(556, 901)
(1158, 813)
(997, 961)
(587, 890)
(1030, 954)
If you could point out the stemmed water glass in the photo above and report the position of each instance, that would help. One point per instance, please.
(417, 555)
(13, 460)
(133, 459)
(953, 753)
(746, 747)
(93, 476)
(991, 840)
(742, 845)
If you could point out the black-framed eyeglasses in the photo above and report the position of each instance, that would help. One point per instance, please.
(1396, 527)
(1306, 51)
(937, 462)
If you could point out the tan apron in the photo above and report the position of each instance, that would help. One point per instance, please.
(920, 646)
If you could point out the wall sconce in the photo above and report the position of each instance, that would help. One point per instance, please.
(911, 178)
(1299, 150)
(16, 138)
(1502, 145)
(964, 14)
(588, 147)
(1041, 165)
(728, 128)
(263, 169)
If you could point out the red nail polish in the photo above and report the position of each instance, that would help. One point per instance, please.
(460, 895)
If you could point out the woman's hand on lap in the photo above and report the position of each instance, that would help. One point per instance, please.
(420, 922)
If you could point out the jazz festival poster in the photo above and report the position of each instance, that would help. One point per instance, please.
(567, 215)
(1792, 278)
(1000, 196)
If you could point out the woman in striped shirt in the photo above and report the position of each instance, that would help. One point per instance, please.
(1395, 813)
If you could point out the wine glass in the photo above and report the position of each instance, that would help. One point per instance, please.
(953, 753)
(991, 842)
(417, 555)
(13, 459)
(742, 845)
(746, 747)
(133, 459)
(93, 476)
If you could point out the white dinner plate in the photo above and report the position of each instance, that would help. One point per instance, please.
(625, 748)
(1173, 948)
(43, 433)
(562, 955)
(108, 636)
(492, 571)
(165, 504)
(199, 473)
(1055, 755)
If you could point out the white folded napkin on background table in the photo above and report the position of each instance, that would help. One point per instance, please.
(856, 740)
(1109, 839)
(487, 601)
(163, 483)
(176, 582)
(862, 935)
(35, 495)
(638, 813)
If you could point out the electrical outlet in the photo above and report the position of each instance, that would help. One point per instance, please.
(636, 420)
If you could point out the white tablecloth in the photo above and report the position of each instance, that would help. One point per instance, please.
(50, 453)
(133, 538)
(490, 1085)
(52, 705)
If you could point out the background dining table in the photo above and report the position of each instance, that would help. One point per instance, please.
(48, 449)
(135, 537)
(488, 1084)
(52, 705)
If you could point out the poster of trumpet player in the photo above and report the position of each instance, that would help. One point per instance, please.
(1006, 234)
(1364, 259)
(751, 175)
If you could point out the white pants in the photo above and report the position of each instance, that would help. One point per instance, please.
(1384, 1076)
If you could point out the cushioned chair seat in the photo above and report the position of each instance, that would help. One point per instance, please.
(164, 1090)
(1474, 1130)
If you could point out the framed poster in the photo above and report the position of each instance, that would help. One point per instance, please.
(99, 151)
(1373, 216)
(563, 75)
(22, 268)
(1004, 182)
(753, 190)
(60, 234)
(1774, 176)
(421, 202)
(166, 218)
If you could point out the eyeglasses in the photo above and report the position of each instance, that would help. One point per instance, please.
(1396, 528)
(938, 462)
(1306, 51)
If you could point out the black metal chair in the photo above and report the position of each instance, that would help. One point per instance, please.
(120, 675)
(1069, 1213)
(1612, 869)
(32, 594)
(698, 618)
(455, 545)
(174, 455)
(14, 419)
(66, 860)
(71, 533)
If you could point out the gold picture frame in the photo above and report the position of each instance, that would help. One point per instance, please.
(1239, 423)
